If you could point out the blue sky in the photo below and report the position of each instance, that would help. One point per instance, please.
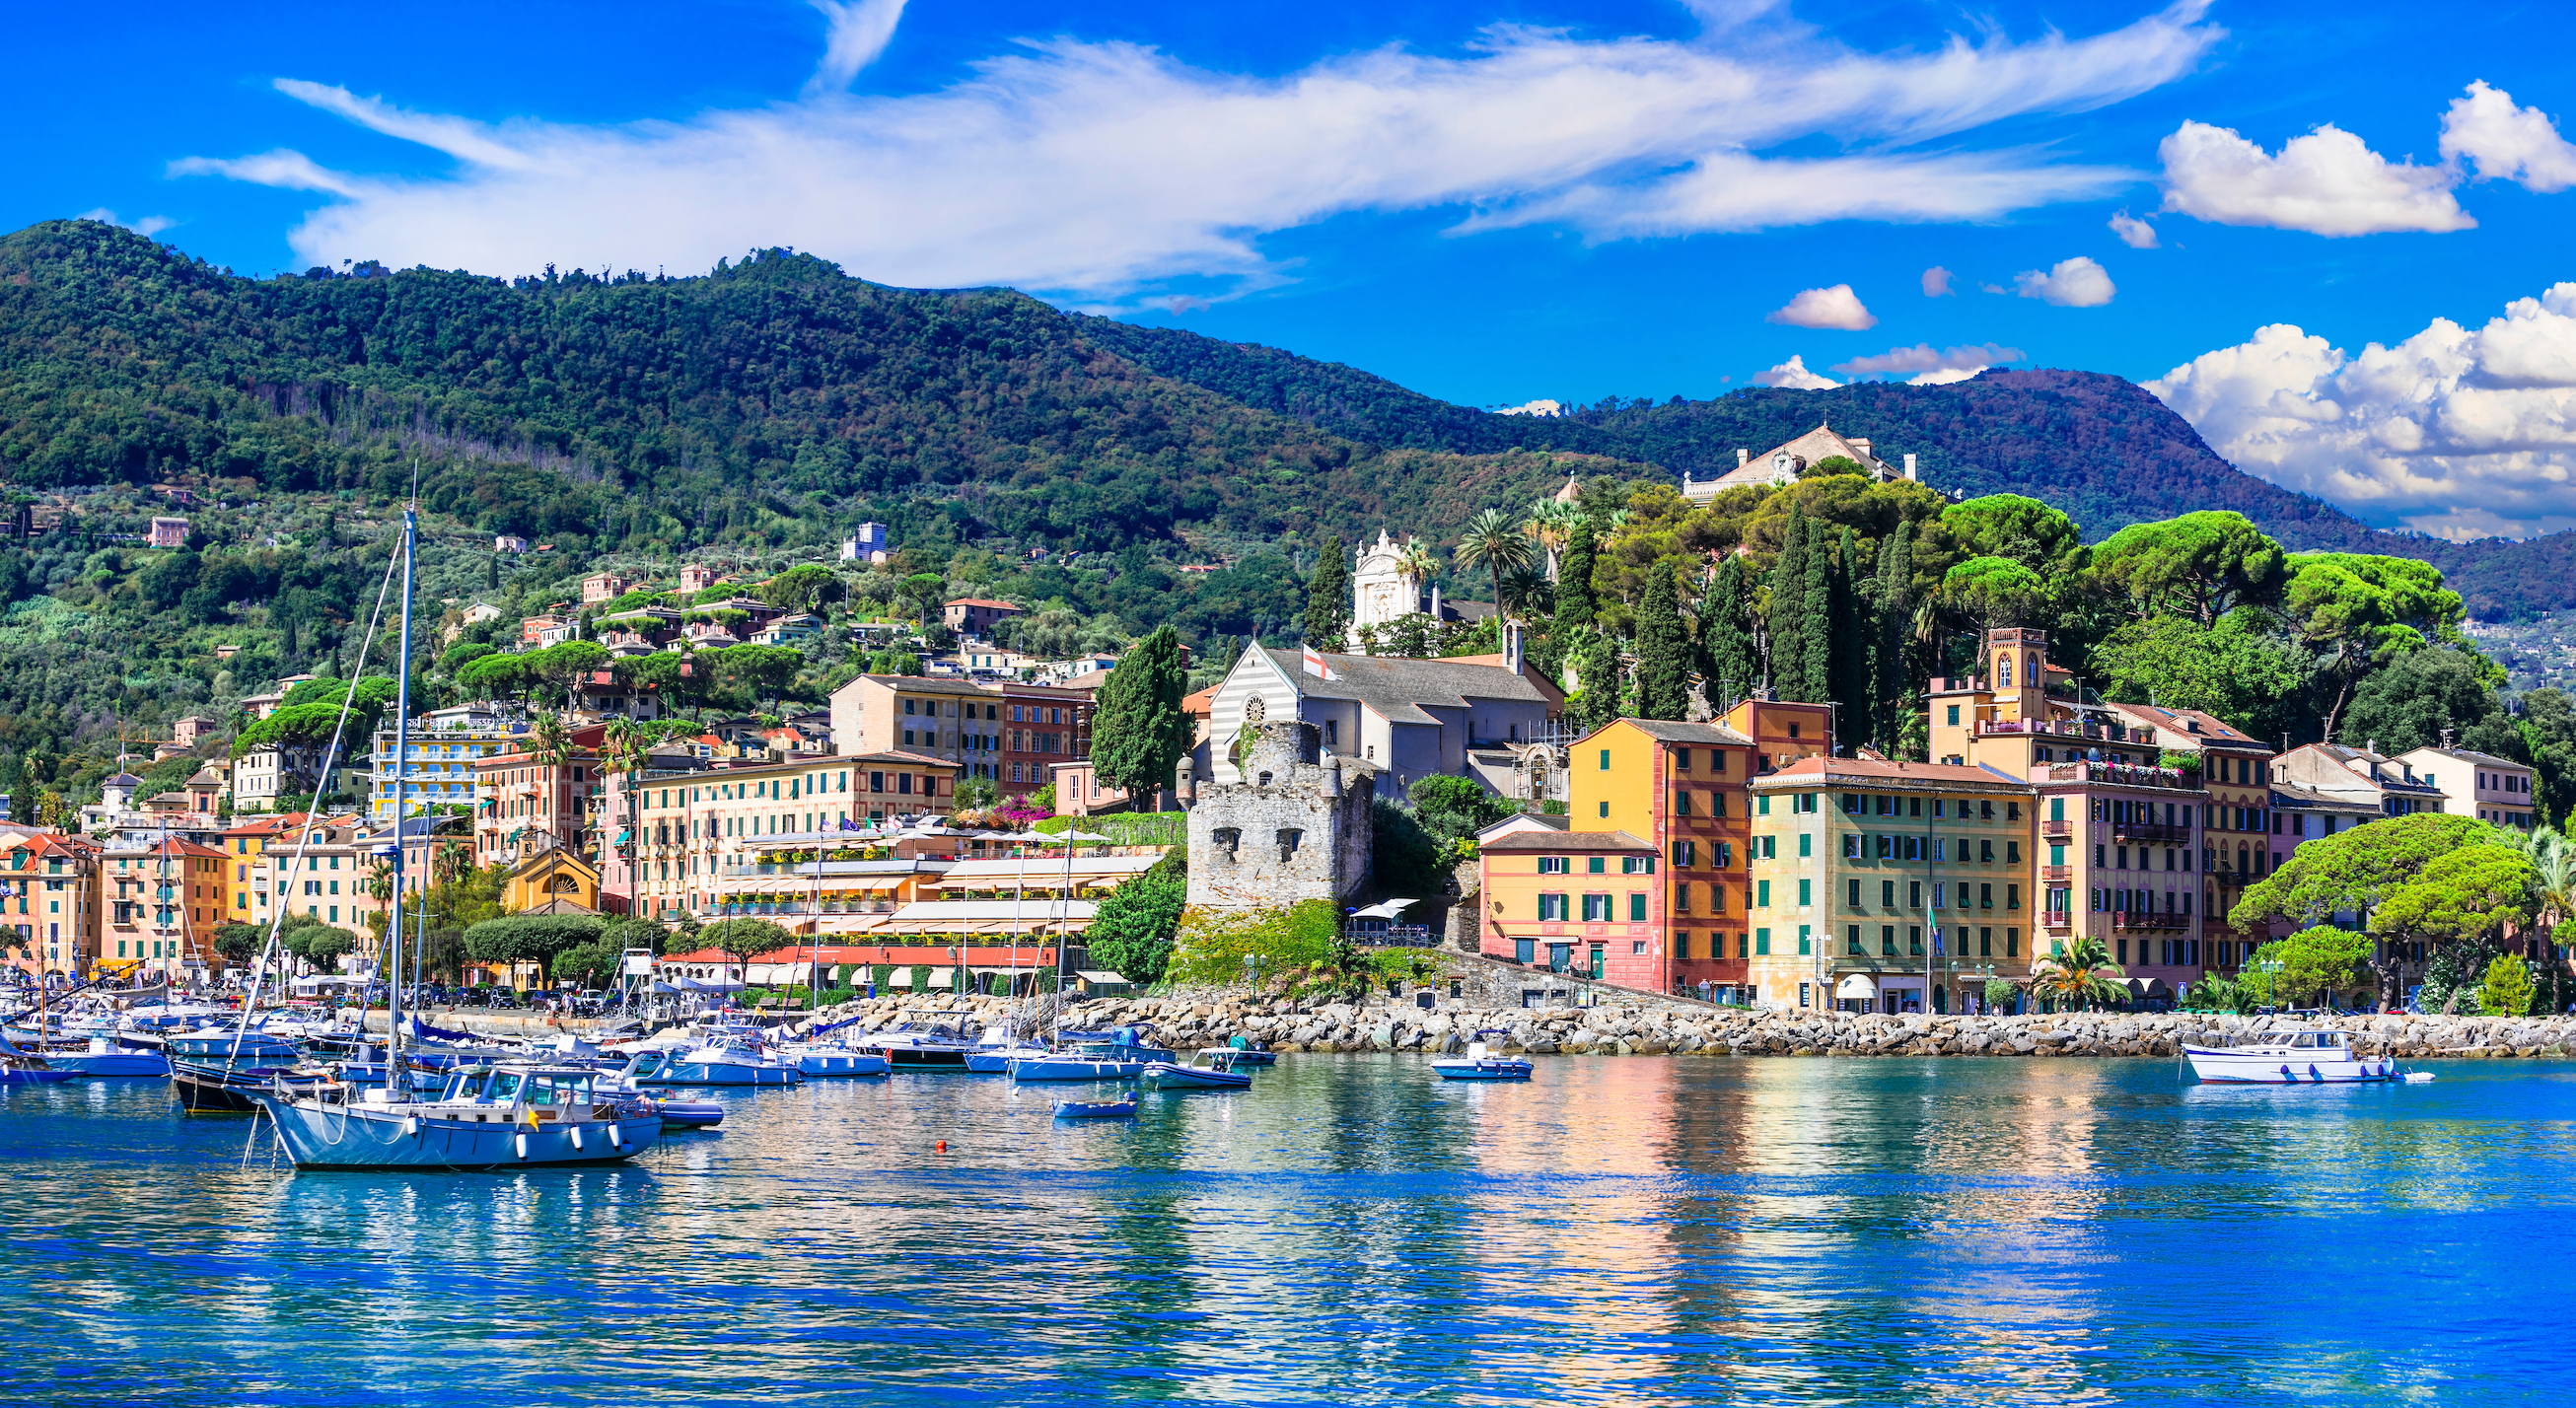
(1489, 202)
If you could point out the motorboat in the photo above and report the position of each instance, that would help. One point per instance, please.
(1122, 1107)
(98, 1056)
(2318, 1056)
(1482, 1062)
(1122, 1059)
(510, 1115)
(258, 1045)
(612, 1084)
(1245, 1053)
(730, 1064)
(32, 1070)
(1213, 1069)
(907, 1048)
(831, 1059)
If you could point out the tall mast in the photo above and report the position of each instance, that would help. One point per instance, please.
(396, 1084)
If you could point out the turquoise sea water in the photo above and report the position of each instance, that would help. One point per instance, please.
(1351, 1231)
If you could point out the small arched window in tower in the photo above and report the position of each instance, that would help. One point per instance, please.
(1289, 837)
(1227, 839)
(2003, 671)
(2030, 672)
(1264, 779)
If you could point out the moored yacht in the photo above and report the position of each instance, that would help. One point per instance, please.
(503, 1116)
(2316, 1057)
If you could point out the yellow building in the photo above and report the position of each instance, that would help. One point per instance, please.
(1680, 788)
(1874, 881)
(243, 901)
(556, 880)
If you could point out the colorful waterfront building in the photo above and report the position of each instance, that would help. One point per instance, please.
(2238, 823)
(1882, 886)
(2121, 832)
(1679, 787)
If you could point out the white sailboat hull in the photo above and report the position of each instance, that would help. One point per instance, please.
(2276, 1066)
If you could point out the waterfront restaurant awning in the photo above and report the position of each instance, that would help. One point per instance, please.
(990, 916)
(1389, 910)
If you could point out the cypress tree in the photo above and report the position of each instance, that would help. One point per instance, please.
(1816, 622)
(1787, 616)
(1328, 597)
(1139, 731)
(1853, 648)
(1663, 649)
(1596, 671)
(1891, 687)
(1575, 605)
(1726, 636)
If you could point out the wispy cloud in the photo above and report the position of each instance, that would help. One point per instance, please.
(1921, 357)
(860, 31)
(147, 227)
(1102, 168)
(2133, 232)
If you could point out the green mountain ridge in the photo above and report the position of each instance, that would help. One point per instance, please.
(778, 401)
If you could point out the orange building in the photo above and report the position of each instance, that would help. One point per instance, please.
(1680, 789)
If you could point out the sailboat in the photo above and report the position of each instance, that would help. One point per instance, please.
(503, 1114)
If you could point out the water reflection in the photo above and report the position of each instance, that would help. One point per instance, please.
(1620, 1230)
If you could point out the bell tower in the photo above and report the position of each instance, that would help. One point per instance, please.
(2017, 672)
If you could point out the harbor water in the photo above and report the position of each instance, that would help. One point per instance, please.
(1349, 1231)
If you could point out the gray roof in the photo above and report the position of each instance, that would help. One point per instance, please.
(1396, 687)
(925, 684)
(2285, 794)
(1567, 841)
(2466, 755)
(1681, 731)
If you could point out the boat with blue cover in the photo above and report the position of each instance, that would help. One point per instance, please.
(1124, 1106)
(1122, 1056)
(729, 1063)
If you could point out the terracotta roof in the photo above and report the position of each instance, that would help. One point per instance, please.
(1567, 841)
(1828, 772)
(1680, 731)
(981, 601)
(2178, 722)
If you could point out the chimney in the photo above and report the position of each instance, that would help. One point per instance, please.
(1512, 646)
(1435, 604)
(1861, 445)
(1743, 456)
(1909, 469)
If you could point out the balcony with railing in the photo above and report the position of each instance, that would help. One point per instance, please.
(2068, 729)
(2173, 834)
(2057, 826)
(2122, 775)
(2056, 874)
(2055, 919)
(2148, 919)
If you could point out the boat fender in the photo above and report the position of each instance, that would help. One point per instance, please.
(2312, 1070)
(616, 1136)
(411, 1125)
(576, 1138)
(521, 1142)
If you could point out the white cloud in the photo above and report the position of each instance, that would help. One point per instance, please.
(2508, 143)
(1104, 167)
(1793, 374)
(860, 31)
(2074, 283)
(1944, 376)
(1837, 308)
(2453, 432)
(2326, 183)
(1922, 358)
(147, 227)
(2133, 232)
(1936, 282)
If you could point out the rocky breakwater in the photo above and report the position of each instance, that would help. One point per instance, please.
(1655, 1030)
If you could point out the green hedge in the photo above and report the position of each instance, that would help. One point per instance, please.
(1127, 828)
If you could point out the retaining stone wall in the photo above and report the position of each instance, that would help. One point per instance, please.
(1654, 1030)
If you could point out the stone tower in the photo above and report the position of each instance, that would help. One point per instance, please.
(1296, 828)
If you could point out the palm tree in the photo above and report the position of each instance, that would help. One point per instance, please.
(1416, 565)
(550, 745)
(1551, 522)
(1495, 542)
(2079, 976)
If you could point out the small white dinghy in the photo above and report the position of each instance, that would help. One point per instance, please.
(2314, 1057)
